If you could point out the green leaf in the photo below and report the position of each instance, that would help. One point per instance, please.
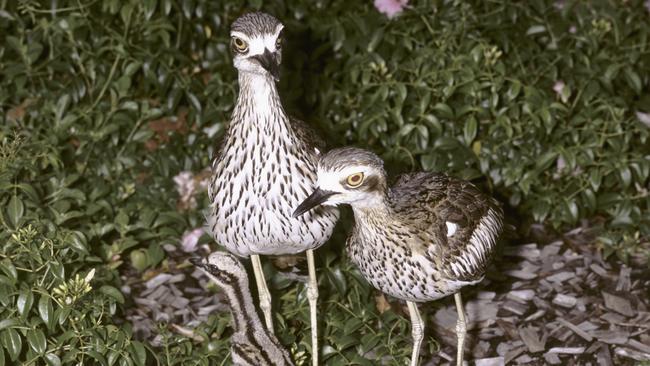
(376, 37)
(139, 259)
(97, 356)
(535, 29)
(470, 130)
(633, 80)
(113, 355)
(52, 360)
(61, 105)
(513, 90)
(138, 352)
(36, 340)
(155, 254)
(149, 8)
(338, 279)
(194, 101)
(401, 93)
(113, 293)
(12, 342)
(24, 302)
(626, 176)
(545, 160)
(45, 310)
(6, 323)
(9, 269)
(15, 210)
(444, 110)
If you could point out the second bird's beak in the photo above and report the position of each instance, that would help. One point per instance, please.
(270, 63)
(204, 265)
(319, 196)
(198, 261)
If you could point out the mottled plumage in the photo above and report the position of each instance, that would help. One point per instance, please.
(408, 240)
(255, 24)
(266, 166)
(422, 239)
(251, 343)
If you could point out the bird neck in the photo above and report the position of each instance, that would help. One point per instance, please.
(375, 206)
(239, 298)
(258, 99)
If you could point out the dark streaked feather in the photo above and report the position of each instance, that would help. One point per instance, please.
(428, 200)
(307, 134)
(255, 24)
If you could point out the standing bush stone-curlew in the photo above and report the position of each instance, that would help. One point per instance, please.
(425, 238)
(266, 167)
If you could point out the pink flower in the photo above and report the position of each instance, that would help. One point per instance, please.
(562, 90)
(390, 7)
(558, 87)
(184, 185)
(191, 239)
(188, 185)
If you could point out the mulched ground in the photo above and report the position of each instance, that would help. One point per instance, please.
(556, 304)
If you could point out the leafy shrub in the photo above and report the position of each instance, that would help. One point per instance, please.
(468, 88)
(101, 103)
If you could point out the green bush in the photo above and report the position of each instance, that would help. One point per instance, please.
(103, 102)
(468, 88)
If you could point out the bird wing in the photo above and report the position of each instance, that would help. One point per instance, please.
(307, 134)
(449, 211)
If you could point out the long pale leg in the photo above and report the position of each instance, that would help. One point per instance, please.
(312, 296)
(417, 331)
(265, 295)
(461, 328)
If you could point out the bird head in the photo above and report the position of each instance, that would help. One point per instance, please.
(221, 267)
(256, 44)
(347, 176)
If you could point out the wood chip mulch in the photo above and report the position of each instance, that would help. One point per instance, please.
(557, 304)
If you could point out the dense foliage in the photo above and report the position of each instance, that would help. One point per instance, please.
(103, 102)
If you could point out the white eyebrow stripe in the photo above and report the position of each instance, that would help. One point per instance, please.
(239, 35)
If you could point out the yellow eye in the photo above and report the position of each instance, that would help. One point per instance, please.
(354, 180)
(240, 44)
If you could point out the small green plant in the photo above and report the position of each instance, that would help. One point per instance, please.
(69, 292)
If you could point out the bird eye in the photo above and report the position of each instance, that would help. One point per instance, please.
(354, 180)
(278, 43)
(240, 44)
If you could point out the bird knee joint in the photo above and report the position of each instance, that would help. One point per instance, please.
(417, 331)
(312, 293)
(265, 303)
(461, 327)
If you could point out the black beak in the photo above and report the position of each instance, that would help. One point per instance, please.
(319, 196)
(197, 261)
(270, 63)
(204, 265)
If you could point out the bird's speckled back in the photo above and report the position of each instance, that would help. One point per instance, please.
(434, 235)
